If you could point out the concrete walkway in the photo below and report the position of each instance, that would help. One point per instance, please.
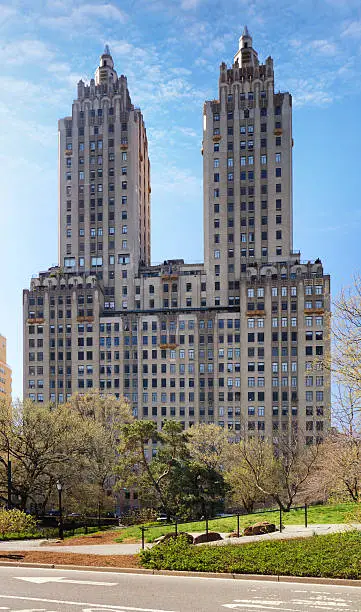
(86, 549)
(289, 531)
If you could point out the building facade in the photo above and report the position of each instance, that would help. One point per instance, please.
(5, 371)
(237, 341)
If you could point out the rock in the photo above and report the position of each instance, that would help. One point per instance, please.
(211, 536)
(259, 529)
(234, 534)
(171, 535)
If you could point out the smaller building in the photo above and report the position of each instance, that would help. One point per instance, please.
(5, 371)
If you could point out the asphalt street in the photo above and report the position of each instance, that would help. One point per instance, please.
(43, 590)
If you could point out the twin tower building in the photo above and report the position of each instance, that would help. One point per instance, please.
(237, 341)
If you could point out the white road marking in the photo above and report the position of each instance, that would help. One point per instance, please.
(43, 580)
(329, 603)
(256, 606)
(97, 606)
(323, 601)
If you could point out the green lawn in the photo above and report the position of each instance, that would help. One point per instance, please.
(335, 556)
(316, 514)
(21, 536)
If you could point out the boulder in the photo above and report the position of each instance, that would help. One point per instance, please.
(259, 529)
(211, 536)
(171, 535)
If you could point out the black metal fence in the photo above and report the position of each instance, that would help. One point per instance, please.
(49, 525)
(177, 522)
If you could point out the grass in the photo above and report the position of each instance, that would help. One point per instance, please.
(316, 514)
(334, 556)
(21, 536)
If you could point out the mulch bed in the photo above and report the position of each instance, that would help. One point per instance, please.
(105, 537)
(57, 558)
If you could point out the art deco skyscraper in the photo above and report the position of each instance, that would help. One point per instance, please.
(237, 341)
(104, 185)
(247, 147)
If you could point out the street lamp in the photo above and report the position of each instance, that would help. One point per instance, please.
(59, 486)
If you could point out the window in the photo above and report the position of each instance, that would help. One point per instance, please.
(216, 163)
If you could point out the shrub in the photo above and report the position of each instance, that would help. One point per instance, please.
(138, 517)
(336, 555)
(16, 521)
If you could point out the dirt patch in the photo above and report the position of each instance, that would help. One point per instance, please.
(57, 558)
(101, 537)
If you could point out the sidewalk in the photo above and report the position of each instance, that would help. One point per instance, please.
(289, 531)
(86, 549)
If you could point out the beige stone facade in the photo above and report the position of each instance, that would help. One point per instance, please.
(237, 341)
(5, 371)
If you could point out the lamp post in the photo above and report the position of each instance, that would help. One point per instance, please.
(59, 486)
(9, 502)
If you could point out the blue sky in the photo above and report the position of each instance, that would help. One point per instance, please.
(170, 51)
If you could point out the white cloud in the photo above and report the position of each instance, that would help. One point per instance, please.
(189, 5)
(323, 46)
(353, 29)
(326, 47)
(177, 180)
(6, 13)
(26, 51)
(153, 80)
(310, 92)
(84, 15)
(188, 132)
(33, 130)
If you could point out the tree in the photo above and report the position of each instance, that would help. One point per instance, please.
(345, 359)
(208, 445)
(103, 415)
(46, 444)
(243, 490)
(40, 443)
(340, 474)
(280, 469)
(181, 478)
(155, 478)
(341, 456)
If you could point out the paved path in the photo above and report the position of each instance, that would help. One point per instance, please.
(87, 549)
(50, 590)
(290, 531)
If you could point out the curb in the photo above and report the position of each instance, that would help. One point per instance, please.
(180, 574)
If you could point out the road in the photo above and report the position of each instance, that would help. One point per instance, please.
(48, 590)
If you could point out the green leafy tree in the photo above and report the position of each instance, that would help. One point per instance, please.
(173, 480)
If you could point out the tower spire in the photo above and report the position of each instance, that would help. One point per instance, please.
(246, 55)
(105, 72)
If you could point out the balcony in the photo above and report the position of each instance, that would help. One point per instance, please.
(255, 313)
(317, 311)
